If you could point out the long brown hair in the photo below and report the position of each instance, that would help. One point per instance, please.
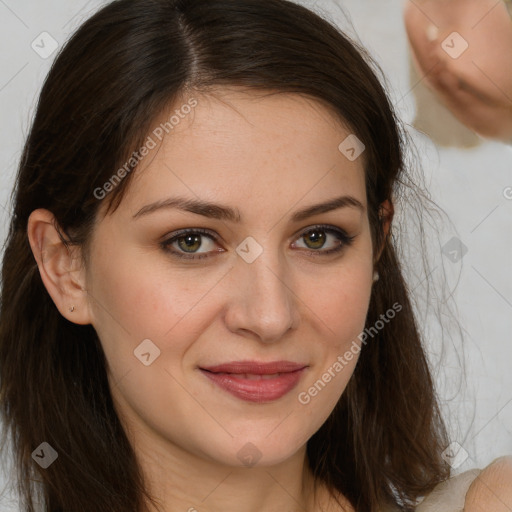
(382, 444)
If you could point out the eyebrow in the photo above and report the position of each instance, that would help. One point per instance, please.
(222, 212)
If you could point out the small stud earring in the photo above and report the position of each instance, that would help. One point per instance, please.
(375, 276)
(71, 309)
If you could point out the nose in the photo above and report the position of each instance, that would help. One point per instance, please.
(263, 303)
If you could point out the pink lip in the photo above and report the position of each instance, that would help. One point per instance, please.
(255, 367)
(230, 377)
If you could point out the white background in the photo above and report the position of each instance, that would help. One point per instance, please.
(468, 184)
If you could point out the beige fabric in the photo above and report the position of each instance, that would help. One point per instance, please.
(449, 496)
(435, 120)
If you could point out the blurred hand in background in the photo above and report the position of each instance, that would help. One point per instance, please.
(463, 51)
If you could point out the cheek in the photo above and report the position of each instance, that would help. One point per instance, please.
(343, 314)
(138, 297)
(343, 310)
(341, 301)
(342, 304)
(141, 296)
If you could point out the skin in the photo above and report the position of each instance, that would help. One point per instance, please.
(267, 156)
(476, 85)
(492, 490)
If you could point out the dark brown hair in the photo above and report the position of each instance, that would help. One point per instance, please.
(120, 70)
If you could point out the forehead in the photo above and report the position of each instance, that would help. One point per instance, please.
(225, 144)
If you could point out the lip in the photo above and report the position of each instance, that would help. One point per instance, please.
(251, 381)
(255, 367)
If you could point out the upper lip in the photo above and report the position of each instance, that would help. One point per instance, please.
(255, 367)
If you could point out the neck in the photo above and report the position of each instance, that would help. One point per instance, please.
(181, 481)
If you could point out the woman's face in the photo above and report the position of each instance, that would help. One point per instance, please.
(256, 285)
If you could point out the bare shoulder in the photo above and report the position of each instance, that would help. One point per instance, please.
(491, 491)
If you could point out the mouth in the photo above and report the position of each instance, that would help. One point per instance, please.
(255, 367)
(255, 381)
(250, 376)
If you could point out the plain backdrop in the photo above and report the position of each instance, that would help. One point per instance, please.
(474, 374)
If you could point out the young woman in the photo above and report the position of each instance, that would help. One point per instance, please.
(202, 304)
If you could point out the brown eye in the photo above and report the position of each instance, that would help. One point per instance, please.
(317, 237)
(186, 244)
(190, 243)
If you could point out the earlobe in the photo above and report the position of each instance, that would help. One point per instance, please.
(59, 266)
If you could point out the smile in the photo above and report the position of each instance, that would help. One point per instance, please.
(256, 387)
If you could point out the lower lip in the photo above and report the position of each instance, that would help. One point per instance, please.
(252, 390)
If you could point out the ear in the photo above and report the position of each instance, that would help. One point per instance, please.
(386, 213)
(59, 266)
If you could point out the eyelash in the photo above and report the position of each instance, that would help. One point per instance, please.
(345, 240)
